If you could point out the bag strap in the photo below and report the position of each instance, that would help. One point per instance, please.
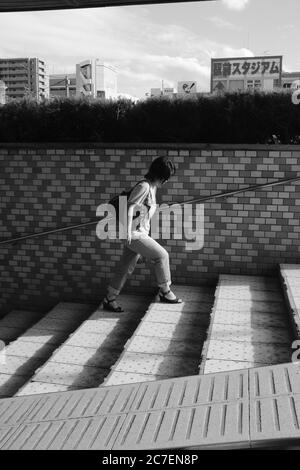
(130, 191)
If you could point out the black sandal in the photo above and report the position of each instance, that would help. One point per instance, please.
(110, 308)
(165, 300)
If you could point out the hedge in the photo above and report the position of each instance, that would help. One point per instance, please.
(231, 118)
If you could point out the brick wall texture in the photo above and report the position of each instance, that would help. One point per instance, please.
(45, 186)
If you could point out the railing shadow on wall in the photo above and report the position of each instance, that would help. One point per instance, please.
(225, 194)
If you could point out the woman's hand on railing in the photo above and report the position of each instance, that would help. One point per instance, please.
(129, 237)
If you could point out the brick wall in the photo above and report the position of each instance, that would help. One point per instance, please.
(45, 186)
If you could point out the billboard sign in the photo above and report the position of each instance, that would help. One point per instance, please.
(84, 80)
(187, 87)
(266, 69)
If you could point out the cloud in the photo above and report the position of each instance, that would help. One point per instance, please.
(144, 52)
(221, 23)
(236, 4)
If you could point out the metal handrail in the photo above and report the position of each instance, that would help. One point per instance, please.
(224, 194)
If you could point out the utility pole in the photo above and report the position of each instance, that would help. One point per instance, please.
(67, 83)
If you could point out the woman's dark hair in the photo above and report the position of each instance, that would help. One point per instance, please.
(162, 168)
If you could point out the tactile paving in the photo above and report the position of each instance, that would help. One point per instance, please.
(69, 310)
(254, 282)
(250, 334)
(29, 349)
(248, 306)
(57, 324)
(149, 345)
(10, 384)
(255, 319)
(292, 270)
(8, 334)
(184, 307)
(92, 340)
(120, 378)
(176, 317)
(106, 327)
(257, 353)
(44, 336)
(71, 374)
(19, 365)
(212, 366)
(245, 294)
(130, 316)
(194, 294)
(291, 286)
(85, 356)
(186, 332)
(19, 319)
(33, 388)
(155, 364)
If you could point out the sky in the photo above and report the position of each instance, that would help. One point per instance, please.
(150, 43)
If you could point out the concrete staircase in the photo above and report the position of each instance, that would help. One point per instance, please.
(36, 344)
(168, 341)
(84, 360)
(242, 323)
(249, 325)
(212, 372)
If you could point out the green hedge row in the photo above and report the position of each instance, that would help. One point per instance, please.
(231, 118)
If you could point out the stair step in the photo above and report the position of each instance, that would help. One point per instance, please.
(120, 378)
(213, 366)
(76, 376)
(168, 341)
(29, 349)
(15, 323)
(186, 332)
(41, 336)
(84, 360)
(271, 353)
(25, 355)
(36, 388)
(10, 384)
(93, 340)
(18, 365)
(250, 332)
(290, 278)
(252, 306)
(146, 344)
(19, 319)
(85, 356)
(156, 364)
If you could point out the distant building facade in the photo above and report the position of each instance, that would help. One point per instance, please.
(62, 85)
(2, 92)
(24, 77)
(288, 78)
(96, 79)
(241, 74)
